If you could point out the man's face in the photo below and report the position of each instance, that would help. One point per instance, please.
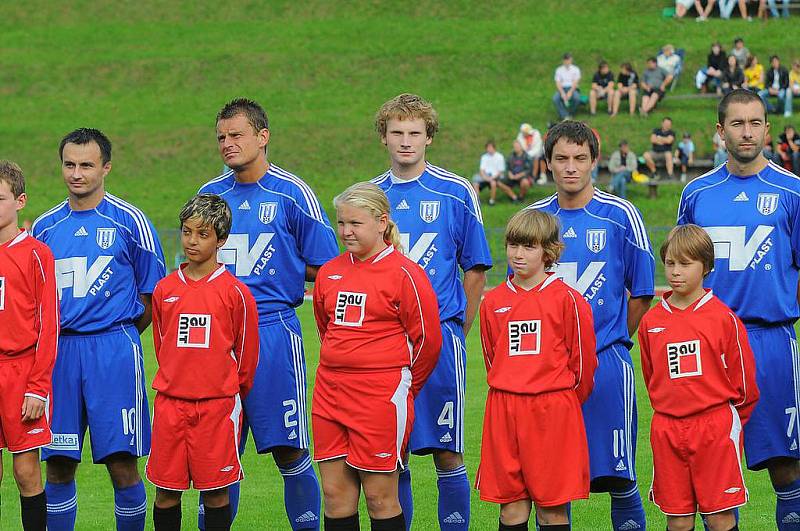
(744, 130)
(567, 61)
(738, 45)
(490, 149)
(406, 141)
(517, 147)
(83, 169)
(571, 165)
(239, 143)
(9, 205)
(623, 149)
(666, 124)
(775, 62)
(651, 64)
(604, 69)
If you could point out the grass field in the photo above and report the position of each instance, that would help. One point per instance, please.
(152, 75)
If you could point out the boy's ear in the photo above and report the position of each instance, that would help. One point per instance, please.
(221, 242)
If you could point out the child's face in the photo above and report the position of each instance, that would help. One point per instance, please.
(9, 205)
(200, 243)
(684, 275)
(359, 231)
(525, 260)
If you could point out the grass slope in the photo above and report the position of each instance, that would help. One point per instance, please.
(152, 75)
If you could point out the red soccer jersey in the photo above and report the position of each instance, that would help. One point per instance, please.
(29, 308)
(206, 336)
(538, 341)
(697, 358)
(377, 314)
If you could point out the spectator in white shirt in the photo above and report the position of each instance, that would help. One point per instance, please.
(492, 169)
(567, 96)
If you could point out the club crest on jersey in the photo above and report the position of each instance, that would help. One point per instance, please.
(349, 309)
(194, 330)
(524, 337)
(267, 211)
(683, 359)
(767, 203)
(2, 293)
(596, 240)
(429, 211)
(105, 237)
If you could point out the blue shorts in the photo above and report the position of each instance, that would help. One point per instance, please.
(275, 408)
(609, 415)
(98, 382)
(772, 430)
(439, 408)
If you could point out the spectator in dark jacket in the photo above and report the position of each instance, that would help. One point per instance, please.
(776, 84)
(732, 76)
(708, 78)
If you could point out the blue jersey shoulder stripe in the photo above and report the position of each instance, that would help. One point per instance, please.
(145, 236)
(220, 179)
(381, 178)
(633, 215)
(542, 203)
(695, 184)
(48, 213)
(313, 203)
(445, 175)
(781, 170)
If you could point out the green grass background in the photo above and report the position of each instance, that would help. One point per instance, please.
(152, 76)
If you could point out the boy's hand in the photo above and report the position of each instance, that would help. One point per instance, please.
(32, 408)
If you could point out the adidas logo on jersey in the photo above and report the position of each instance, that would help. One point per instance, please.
(791, 518)
(403, 205)
(454, 518)
(307, 516)
(656, 329)
(446, 438)
(741, 197)
(570, 233)
(245, 205)
(292, 435)
(794, 445)
(81, 232)
(629, 525)
(620, 466)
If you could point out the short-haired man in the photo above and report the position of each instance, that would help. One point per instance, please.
(279, 238)
(441, 228)
(607, 257)
(621, 164)
(662, 138)
(491, 171)
(108, 260)
(602, 88)
(776, 85)
(519, 170)
(655, 81)
(29, 320)
(751, 209)
(568, 95)
(627, 87)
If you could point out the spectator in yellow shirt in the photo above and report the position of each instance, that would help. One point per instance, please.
(753, 74)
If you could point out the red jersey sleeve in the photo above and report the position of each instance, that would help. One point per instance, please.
(44, 279)
(740, 365)
(419, 315)
(156, 309)
(644, 351)
(487, 341)
(246, 344)
(320, 315)
(581, 343)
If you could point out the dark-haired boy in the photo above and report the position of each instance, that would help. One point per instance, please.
(108, 260)
(29, 320)
(205, 330)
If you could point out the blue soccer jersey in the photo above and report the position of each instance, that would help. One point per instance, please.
(105, 257)
(754, 222)
(607, 255)
(278, 228)
(441, 229)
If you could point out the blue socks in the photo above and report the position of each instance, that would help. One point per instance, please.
(454, 492)
(404, 492)
(233, 502)
(130, 507)
(787, 508)
(301, 494)
(627, 513)
(62, 506)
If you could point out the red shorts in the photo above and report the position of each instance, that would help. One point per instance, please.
(195, 441)
(533, 448)
(365, 417)
(697, 462)
(16, 435)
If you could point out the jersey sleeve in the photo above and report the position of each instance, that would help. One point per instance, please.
(44, 278)
(147, 257)
(419, 314)
(158, 333)
(685, 213)
(644, 351)
(487, 339)
(640, 266)
(580, 341)
(740, 367)
(312, 231)
(473, 248)
(795, 232)
(320, 316)
(246, 344)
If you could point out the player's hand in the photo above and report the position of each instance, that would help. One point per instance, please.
(32, 408)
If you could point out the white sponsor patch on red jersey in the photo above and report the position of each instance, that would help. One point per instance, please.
(524, 337)
(684, 359)
(349, 309)
(194, 330)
